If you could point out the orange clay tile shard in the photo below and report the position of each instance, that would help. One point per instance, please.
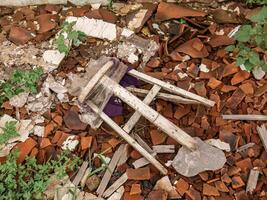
(157, 194)
(239, 77)
(135, 189)
(25, 148)
(86, 142)
(167, 11)
(138, 174)
(194, 48)
(220, 40)
(182, 186)
(46, 23)
(210, 190)
(157, 137)
(19, 35)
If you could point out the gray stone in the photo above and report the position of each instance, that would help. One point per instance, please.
(206, 157)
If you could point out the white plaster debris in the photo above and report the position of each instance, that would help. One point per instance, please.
(182, 75)
(219, 144)
(186, 58)
(94, 27)
(53, 58)
(136, 22)
(70, 143)
(258, 73)
(203, 68)
(39, 131)
(19, 100)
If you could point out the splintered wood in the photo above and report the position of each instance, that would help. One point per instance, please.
(252, 180)
(263, 135)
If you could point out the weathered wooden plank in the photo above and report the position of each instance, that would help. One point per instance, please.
(263, 135)
(252, 180)
(115, 185)
(246, 117)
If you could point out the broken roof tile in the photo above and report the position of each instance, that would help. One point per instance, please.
(194, 48)
(46, 22)
(73, 122)
(25, 148)
(240, 77)
(182, 186)
(220, 40)
(138, 174)
(167, 11)
(19, 35)
(210, 190)
(86, 142)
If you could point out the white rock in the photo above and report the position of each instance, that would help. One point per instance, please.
(19, 100)
(205, 157)
(53, 57)
(70, 143)
(258, 73)
(203, 68)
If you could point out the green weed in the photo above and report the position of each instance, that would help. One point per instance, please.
(29, 180)
(9, 131)
(20, 81)
(248, 37)
(67, 37)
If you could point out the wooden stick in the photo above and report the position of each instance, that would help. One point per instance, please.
(153, 116)
(263, 135)
(128, 138)
(165, 96)
(117, 194)
(120, 181)
(170, 88)
(80, 173)
(94, 81)
(164, 148)
(252, 180)
(111, 167)
(246, 117)
(136, 116)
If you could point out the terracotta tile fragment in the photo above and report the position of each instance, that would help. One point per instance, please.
(19, 35)
(228, 88)
(200, 88)
(210, 190)
(245, 165)
(235, 99)
(114, 142)
(46, 22)
(261, 90)
(237, 182)
(135, 189)
(127, 196)
(135, 155)
(138, 174)
(56, 137)
(86, 142)
(241, 195)
(45, 142)
(193, 194)
(167, 11)
(247, 88)
(204, 176)
(214, 83)
(182, 186)
(181, 111)
(153, 63)
(226, 179)
(58, 119)
(25, 148)
(157, 137)
(239, 77)
(225, 17)
(220, 40)
(194, 48)
(158, 195)
(73, 122)
(34, 152)
(221, 186)
(230, 69)
(48, 129)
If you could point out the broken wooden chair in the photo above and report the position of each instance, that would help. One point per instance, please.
(101, 79)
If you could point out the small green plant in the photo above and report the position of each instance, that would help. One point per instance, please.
(29, 180)
(9, 131)
(68, 36)
(256, 2)
(248, 37)
(20, 81)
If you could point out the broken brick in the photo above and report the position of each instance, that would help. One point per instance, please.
(73, 122)
(157, 137)
(135, 189)
(214, 83)
(158, 195)
(221, 186)
(182, 186)
(138, 174)
(86, 142)
(45, 142)
(237, 182)
(245, 165)
(19, 35)
(210, 190)
(239, 77)
(25, 148)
